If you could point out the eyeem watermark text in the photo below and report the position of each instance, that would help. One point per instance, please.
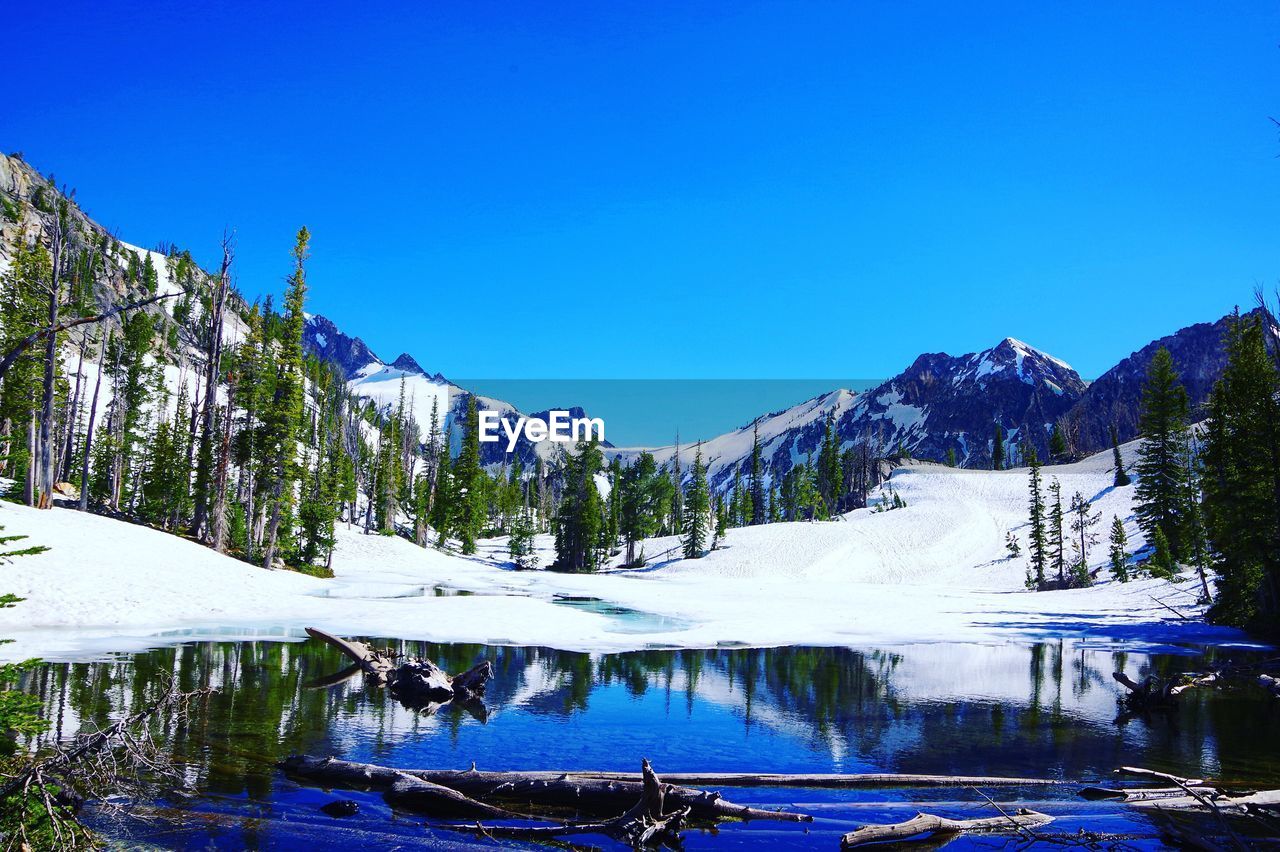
(559, 426)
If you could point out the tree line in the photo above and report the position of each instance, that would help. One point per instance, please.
(1206, 497)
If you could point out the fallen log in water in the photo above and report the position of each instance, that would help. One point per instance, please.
(414, 682)
(1138, 794)
(1153, 693)
(1212, 800)
(646, 825)
(1016, 822)
(829, 780)
(580, 793)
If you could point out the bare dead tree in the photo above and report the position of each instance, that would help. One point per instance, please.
(200, 527)
(120, 759)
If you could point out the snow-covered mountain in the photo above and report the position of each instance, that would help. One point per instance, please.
(940, 403)
(371, 378)
(1199, 355)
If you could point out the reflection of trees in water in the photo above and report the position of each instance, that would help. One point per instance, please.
(836, 700)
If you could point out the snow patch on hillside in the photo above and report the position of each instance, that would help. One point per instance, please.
(934, 571)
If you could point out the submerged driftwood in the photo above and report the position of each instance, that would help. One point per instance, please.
(582, 794)
(414, 682)
(1016, 822)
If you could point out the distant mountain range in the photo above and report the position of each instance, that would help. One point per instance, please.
(938, 406)
(941, 404)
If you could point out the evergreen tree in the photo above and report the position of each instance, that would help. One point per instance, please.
(1161, 466)
(951, 457)
(1057, 537)
(469, 482)
(20, 315)
(1242, 481)
(828, 472)
(997, 448)
(1083, 538)
(1057, 443)
(1162, 562)
(1037, 544)
(758, 511)
(697, 510)
(520, 544)
(283, 417)
(1122, 478)
(1119, 553)
(581, 517)
(640, 504)
(443, 510)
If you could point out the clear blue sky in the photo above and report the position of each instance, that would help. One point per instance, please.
(745, 189)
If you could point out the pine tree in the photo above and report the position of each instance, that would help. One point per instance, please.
(758, 513)
(1037, 543)
(828, 472)
(997, 448)
(1161, 465)
(283, 416)
(951, 457)
(697, 510)
(1242, 481)
(1083, 538)
(580, 520)
(20, 315)
(1122, 478)
(640, 502)
(1057, 538)
(443, 509)
(469, 482)
(1011, 545)
(1119, 553)
(520, 544)
(1162, 562)
(1057, 443)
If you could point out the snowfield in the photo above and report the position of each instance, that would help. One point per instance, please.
(934, 571)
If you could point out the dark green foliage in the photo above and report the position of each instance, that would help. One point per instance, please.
(757, 493)
(469, 481)
(1056, 530)
(1161, 467)
(1057, 443)
(641, 494)
(1119, 551)
(1162, 562)
(1082, 538)
(1037, 542)
(1241, 481)
(580, 520)
(997, 448)
(1122, 477)
(829, 473)
(697, 510)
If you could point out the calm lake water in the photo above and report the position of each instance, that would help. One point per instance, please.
(1046, 709)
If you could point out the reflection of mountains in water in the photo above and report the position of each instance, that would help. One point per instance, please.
(1007, 709)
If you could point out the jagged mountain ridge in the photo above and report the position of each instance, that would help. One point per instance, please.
(939, 403)
(1199, 355)
(371, 378)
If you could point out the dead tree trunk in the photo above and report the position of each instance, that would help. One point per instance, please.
(928, 824)
(580, 793)
(200, 526)
(413, 682)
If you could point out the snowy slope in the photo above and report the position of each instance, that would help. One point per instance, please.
(940, 403)
(933, 571)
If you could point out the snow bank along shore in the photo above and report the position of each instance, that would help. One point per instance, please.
(934, 571)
